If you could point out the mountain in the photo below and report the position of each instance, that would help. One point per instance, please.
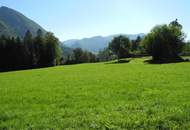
(97, 43)
(13, 23)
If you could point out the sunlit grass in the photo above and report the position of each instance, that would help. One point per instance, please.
(132, 95)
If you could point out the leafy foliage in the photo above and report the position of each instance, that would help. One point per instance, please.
(97, 43)
(120, 46)
(79, 56)
(165, 42)
(106, 55)
(186, 49)
(40, 51)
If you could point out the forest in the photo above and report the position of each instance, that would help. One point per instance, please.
(165, 43)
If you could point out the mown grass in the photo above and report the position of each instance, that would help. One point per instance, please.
(131, 95)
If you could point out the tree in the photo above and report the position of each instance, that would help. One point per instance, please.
(106, 55)
(165, 42)
(29, 48)
(91, 57)
(120, 46)
(53, 51)
(186, 49)
(135, 44)
(39, 49)
(77, 55)
(80, 56)
(21, 58)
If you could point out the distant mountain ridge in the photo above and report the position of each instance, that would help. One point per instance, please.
(13, 23)
(97, 43)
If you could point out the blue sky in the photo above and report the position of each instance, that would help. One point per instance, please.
(71, 19)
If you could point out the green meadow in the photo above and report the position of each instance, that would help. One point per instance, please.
(133, 95)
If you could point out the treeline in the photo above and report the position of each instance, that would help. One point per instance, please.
(186, 49)
(165, 43)
(122, 47)
(42, 50)
(78, 56)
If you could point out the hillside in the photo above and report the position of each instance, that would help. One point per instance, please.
(13, 23)
(129, 96)
(97, 43)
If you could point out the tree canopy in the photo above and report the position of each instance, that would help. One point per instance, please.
(30, 52)
(120, 46)
(165, 42)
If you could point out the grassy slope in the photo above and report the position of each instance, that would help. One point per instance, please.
(99, 96)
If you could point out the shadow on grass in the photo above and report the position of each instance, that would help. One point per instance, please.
(166, 61)
(4, 70)
(119, 62)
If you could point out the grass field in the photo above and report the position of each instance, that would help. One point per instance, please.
(132, 95)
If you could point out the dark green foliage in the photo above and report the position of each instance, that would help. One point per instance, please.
(165, 42)
(96, 43)
(135, 44)
(39, 48)
(30, 52)
(80, 56)
(11, 53)
(134, 49)
(137, 48)
(29, 47)
(106, 55)
(66, 53)
(186, 49)
(120, 46)
(52, 50)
